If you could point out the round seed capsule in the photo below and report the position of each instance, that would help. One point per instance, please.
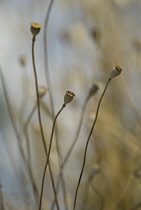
(35, 28)
(115, 72)
(68, 97)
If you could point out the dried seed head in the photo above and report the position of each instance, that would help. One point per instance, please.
(68, 97)
(93, 90)
(115, 72)
(42, 91)
(35, 28)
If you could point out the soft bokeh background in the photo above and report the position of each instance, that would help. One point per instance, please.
(85, 39)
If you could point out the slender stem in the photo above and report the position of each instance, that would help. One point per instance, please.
(47, 160)
(25, 87)
(26, 132)
(40, 121)
(71, 147)
(46, 58)
(85, 153)
(37, 94)
(25, 128)
(48, 80)
(22, 108)
(18, 138)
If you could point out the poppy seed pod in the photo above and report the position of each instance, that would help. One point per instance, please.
(42, 91)
(115, 72)
(35, 28)
(68, 97)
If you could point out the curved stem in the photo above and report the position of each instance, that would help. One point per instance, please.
(48, 80)
(25, 129)
(25, 95)
(47, 160)
(40, 121)
(18, 137)
(37, 94)
(85, 153)
(71, 147)
(26, 133)
(46, 58)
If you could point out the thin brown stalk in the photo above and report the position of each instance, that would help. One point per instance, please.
(26, 124)
(47, 160)
(85, 153)
(71, 147)
(46, 57)
(91, 93)
(40, 121)
(48, 80)
(18, 137)
(25, 87)
(26, 133)
(22, 108)
(25, 128)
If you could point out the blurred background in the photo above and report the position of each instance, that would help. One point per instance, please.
(85, 40)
